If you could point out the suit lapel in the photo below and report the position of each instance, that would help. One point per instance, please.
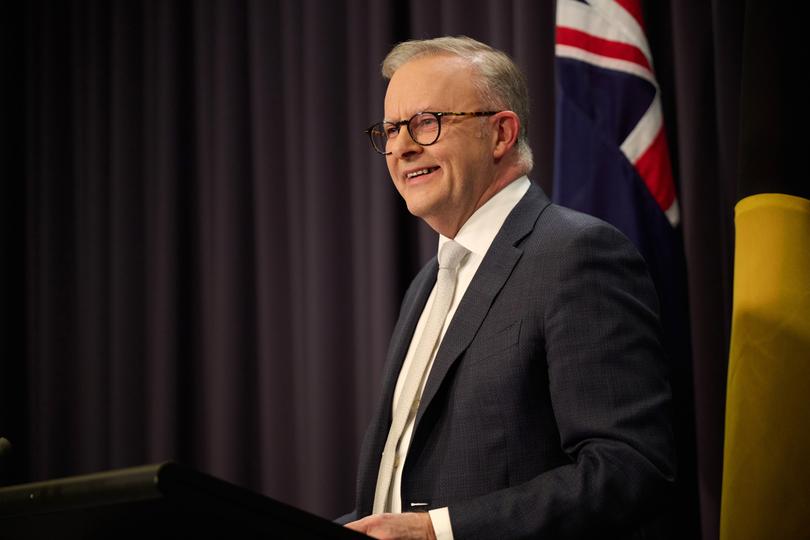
(401, 337)
(488, 281)
(412, 308)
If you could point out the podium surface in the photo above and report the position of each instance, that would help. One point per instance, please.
(164, 500)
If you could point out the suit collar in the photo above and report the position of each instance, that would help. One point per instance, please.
(478, 233)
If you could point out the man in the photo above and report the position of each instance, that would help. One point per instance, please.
(540, 409)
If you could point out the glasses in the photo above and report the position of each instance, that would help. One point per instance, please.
(423, 127)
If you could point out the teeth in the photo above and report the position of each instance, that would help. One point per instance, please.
(418, 173)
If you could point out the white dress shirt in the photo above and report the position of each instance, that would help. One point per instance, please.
(476, 235)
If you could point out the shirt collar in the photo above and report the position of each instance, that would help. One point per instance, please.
(480, 229)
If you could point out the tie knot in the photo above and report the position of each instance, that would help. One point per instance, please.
(451, 255)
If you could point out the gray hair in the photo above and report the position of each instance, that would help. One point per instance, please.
(500, 83)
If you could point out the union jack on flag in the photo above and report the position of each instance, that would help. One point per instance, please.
(605, 74)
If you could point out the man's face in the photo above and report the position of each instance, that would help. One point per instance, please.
(460, 163)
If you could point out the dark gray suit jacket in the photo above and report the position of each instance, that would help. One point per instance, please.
(546, 412)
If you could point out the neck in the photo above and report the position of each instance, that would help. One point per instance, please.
(450, 229)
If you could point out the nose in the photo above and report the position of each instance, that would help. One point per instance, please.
(403, 146)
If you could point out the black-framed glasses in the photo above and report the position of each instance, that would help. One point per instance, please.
(423, 127)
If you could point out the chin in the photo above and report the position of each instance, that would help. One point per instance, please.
(420, 201)
(416, 209)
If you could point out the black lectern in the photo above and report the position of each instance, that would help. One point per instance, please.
(152, 501)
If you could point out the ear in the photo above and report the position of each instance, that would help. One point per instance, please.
(507, 127)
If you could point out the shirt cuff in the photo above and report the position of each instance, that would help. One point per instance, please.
(440, 517)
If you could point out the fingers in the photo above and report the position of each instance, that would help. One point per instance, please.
(409, 526)
(361, 525)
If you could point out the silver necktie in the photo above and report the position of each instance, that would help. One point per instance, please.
(450, 258)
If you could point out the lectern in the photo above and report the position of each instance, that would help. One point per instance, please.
(164, 500)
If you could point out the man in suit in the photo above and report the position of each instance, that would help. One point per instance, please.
(541, 409)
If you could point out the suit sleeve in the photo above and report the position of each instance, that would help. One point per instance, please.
(609, 389)
(346, 518)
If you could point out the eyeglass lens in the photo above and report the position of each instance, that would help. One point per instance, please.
(423, 128)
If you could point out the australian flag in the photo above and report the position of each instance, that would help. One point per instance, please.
(612, 161)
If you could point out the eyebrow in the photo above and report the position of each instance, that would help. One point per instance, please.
(424, 109)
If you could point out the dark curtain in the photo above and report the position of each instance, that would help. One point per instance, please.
(699, 65)
(203, 259)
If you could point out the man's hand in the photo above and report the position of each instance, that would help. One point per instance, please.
(412, 525)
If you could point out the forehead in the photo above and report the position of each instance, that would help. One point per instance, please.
(430, 83)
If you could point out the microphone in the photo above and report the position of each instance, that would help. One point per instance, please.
(5, 448)
(5, 453)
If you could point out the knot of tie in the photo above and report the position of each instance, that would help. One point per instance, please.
(451, 255)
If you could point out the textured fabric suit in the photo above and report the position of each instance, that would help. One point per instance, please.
(546, 411)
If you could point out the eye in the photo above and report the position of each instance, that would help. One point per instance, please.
(390, 130)
(425, 122)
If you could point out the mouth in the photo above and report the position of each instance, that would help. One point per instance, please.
(420, 172)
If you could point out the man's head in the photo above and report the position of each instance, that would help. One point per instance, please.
(474, 156)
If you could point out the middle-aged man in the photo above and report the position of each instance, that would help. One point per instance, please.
(525, 391)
